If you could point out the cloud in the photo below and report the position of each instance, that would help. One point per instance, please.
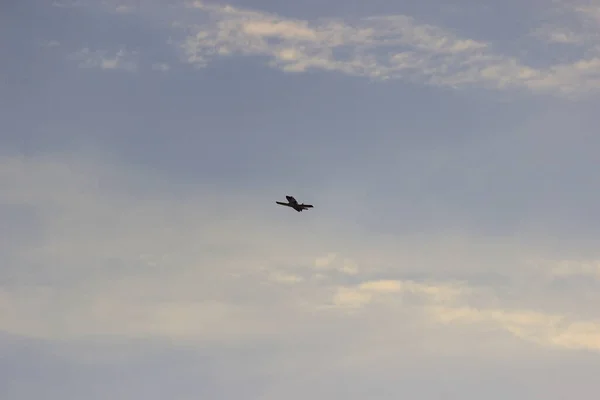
(284, 29)
(450, 304)
(332, 261)
(63, 4)
(574, 25)
(121, 60)
(121, 253)
(567, 268)
(286, 278)
(543, 329)
(51, 43)
(391, 47)
(163, 67)
(553, 34)
(124, 8)
(369, 291)
(411, 49)
(381, 286)
(346, 297)
(381, 48)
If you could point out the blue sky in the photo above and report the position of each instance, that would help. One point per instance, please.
(450, 150)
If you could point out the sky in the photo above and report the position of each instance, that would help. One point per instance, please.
(449, 149)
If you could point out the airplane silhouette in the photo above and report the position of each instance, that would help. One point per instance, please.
(294, 204)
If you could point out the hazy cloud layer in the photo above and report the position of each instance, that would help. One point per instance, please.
(99, 264)
(195, 268)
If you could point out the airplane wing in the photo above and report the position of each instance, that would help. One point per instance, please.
(291, 199)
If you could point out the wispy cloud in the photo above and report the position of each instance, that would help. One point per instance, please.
(50, 43)
(543, 329)
(376, 47)
(392, 47)
(62, 4)
(163, 67)
(103, 59)
(463, 305)
(333, 261)
(571, 22)
(567, 268)
(124, 8)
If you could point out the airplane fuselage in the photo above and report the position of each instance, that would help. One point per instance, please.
(294, 204)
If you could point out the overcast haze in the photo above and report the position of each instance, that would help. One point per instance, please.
(450, 149)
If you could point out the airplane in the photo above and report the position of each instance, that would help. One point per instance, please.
(294, 204)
